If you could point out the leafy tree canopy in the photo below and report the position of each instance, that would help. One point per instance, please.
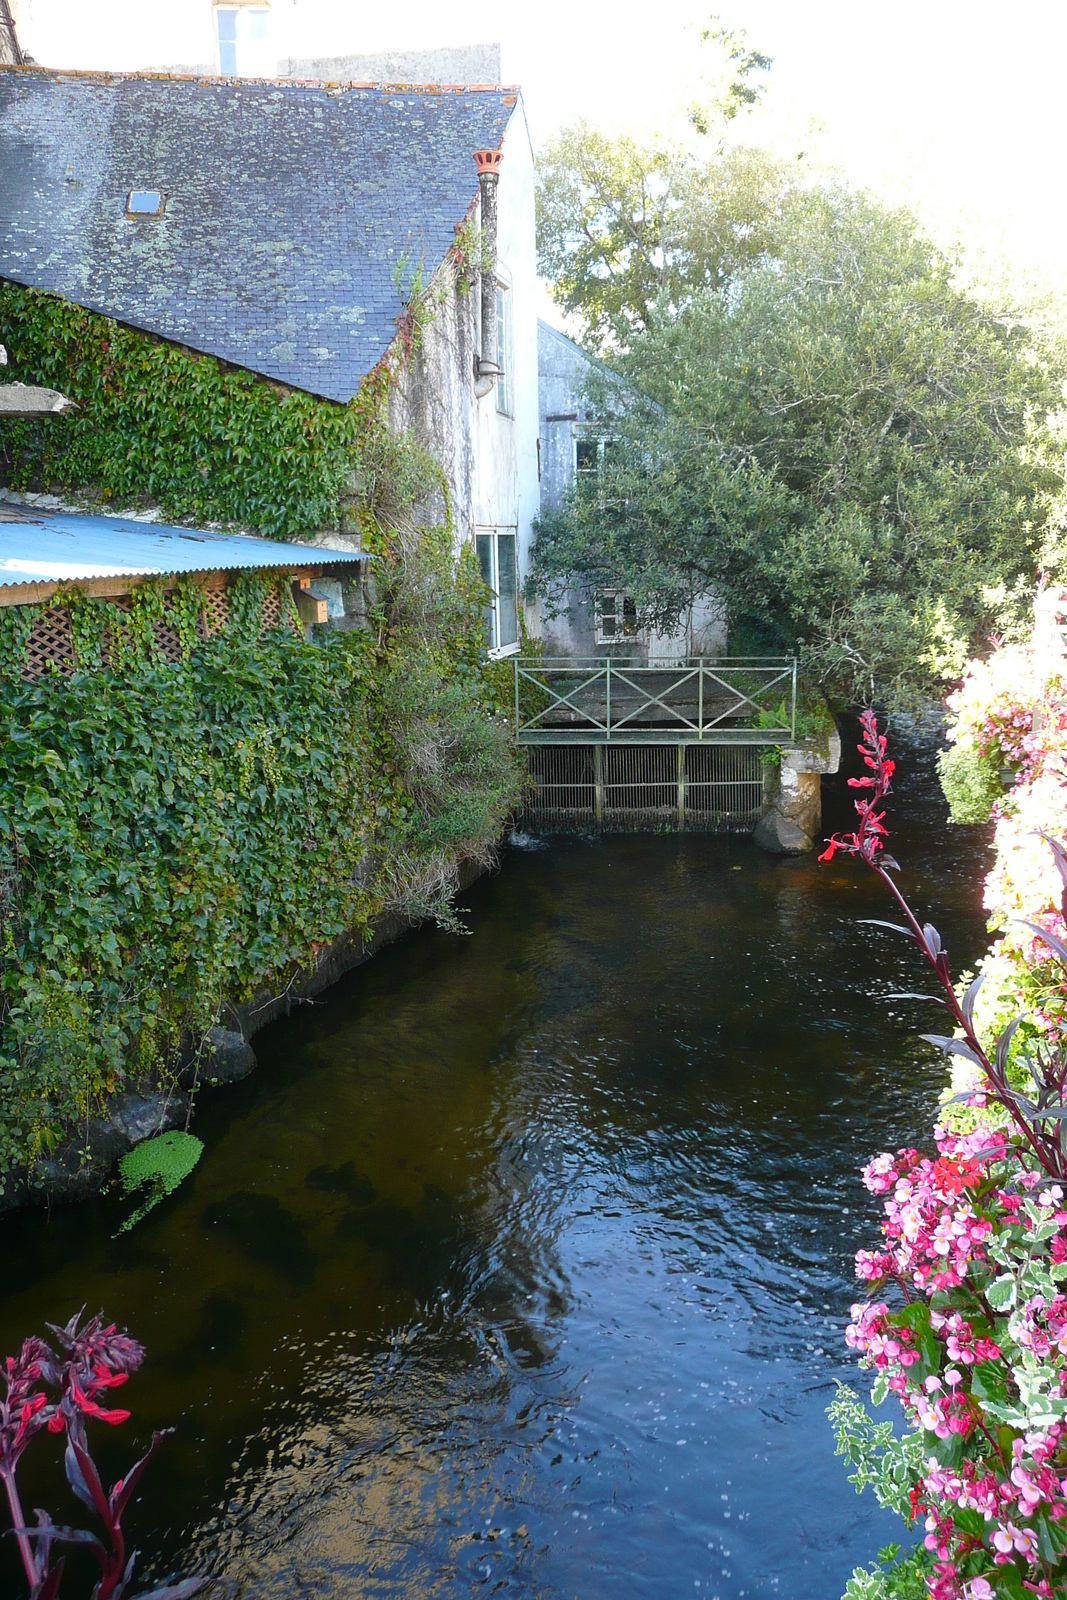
(812, 420)
(622, 225)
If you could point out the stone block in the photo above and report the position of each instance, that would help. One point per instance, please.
(780, 836)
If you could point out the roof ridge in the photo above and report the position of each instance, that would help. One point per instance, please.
(112, 73)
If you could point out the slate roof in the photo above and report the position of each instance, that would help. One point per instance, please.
(288, 206)
(38, 546)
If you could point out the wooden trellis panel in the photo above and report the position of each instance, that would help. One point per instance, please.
(215, 612)
(51, 642)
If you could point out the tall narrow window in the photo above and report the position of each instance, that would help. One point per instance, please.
(499, 569)
(226, 28)
(504, 387)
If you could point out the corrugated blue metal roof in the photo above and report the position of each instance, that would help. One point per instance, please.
(39, 546)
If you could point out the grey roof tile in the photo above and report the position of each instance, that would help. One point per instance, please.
(290, 208)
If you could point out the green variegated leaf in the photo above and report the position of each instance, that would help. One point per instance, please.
(1001, 1292)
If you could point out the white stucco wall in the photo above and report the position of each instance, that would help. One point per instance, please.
(134, 36)
(489, 458)
(506, 491)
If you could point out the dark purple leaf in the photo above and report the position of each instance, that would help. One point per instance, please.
(1059, 855)
(967, 1003)
(1004, 1042)
(121, 1493)
(48, 1588)
(933, 940)
(954, 1047)
(90, 1481)
(876, 922)
(76, 1478)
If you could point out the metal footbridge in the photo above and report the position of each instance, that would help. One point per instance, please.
(627, 745)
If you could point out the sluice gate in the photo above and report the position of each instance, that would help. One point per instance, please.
(625, 788)
(621, 746)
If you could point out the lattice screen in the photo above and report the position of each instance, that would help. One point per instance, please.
(215, 612)
(51, 641)
(51, 644)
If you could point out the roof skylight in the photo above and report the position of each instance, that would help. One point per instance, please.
(144, 203)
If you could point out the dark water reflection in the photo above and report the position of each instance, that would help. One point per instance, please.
(522, 1262)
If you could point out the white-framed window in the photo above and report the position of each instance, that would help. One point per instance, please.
(590, 457)
(504, 388)
(498, 561)
(242, 36)
(614, 616)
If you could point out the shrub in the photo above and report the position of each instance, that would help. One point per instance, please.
(971, 782)
(966, 1316)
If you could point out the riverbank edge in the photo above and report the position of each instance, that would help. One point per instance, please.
(81, 1166)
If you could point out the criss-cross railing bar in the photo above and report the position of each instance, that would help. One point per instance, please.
(593, 700)
(744, 699)
(558, 699)
(656, 699)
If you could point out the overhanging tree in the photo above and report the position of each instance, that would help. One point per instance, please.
(834, 437)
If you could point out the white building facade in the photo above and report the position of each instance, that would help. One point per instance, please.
(573, 443)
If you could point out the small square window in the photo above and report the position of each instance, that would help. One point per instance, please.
(614, 616)
(144, 203)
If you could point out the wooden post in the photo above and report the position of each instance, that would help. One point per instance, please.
(598, 786)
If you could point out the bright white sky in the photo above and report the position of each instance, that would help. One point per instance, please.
(954, 105)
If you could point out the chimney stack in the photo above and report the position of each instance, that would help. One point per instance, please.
(487, 368)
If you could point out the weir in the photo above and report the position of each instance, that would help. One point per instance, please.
(632, 745)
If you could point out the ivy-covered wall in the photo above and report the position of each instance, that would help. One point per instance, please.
(175, 835)
(160, 425)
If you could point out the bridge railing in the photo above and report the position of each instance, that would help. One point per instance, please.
(731, 700)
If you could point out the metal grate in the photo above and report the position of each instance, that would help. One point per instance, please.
(562, 789)
(640, 787)
(643, 788)
(723, 786)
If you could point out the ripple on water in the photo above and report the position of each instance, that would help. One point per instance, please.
(523, 1260)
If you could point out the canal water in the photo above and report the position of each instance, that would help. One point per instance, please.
(522, 1262)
